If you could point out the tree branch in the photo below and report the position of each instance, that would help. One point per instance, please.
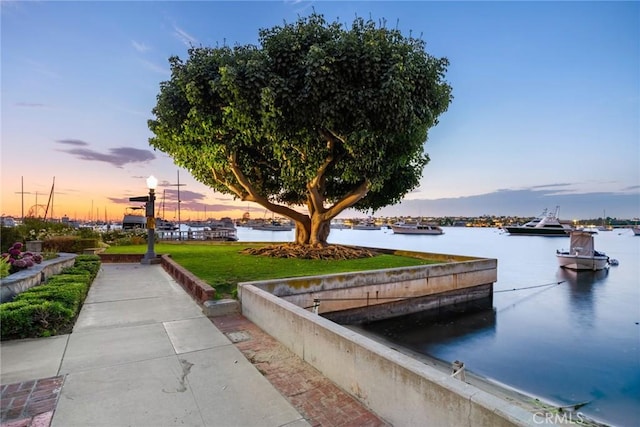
(253, 196)
(237, 190)
(315, 185)
(348, 200)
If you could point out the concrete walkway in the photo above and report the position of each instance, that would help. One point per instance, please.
(141, 353)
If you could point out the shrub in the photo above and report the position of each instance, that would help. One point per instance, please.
(9, 235)
(90, 263)
(36, 318)
(62, 279)
(69, 294)
(50, 308)
(4, 267)
(70, 244)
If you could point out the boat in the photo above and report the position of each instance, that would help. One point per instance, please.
(366, 225)
(416, 228)
(273, 226)
(339, 225)
(132, 219)
(588, 229)
(223, 229)
(582, 254)
(164, 225)
(636, 230)
(7, 221)
(547, 224)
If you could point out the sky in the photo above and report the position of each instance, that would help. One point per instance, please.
(545, 111)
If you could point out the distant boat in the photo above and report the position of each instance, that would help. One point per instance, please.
(164, 225)
(339, 225)
(588, 229)
(582, 254)
(636, 230)
(132, 219)
(547, 224)
(366, 225)
(7, 221)
(416, 228)
(273, 226)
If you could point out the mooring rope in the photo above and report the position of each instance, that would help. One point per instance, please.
(530, 287)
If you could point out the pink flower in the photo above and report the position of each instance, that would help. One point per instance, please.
(20, 263)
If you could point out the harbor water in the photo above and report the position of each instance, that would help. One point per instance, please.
(565, 337)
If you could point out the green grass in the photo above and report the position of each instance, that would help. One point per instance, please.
(222, 265)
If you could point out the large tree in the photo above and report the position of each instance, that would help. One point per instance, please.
(318, 116)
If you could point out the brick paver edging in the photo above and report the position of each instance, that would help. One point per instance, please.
(197, 288)
(29, 403)
(319, 400)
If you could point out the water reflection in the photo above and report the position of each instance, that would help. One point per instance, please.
(418, 331)
(582, 285)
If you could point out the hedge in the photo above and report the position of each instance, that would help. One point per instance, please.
(70, 244)
(51, 308)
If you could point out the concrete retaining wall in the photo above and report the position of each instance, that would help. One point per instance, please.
(401, 390)
(380, 294)
(20, 281)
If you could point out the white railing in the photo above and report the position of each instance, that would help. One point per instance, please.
(217, 234)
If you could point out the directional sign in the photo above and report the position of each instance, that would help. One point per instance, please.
(139, 199)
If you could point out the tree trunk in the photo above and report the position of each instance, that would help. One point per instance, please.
(314, 232)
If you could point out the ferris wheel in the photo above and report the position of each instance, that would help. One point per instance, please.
(37, 211)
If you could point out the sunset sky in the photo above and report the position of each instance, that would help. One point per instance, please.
(545, 112)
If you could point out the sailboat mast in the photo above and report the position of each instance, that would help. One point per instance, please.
(164, 193)
(50, 202)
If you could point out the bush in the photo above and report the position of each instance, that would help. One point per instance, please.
(62, 279)
(10, 235)
(80, 259)
(69, 294)
(36, 318)
(52, 307)
(90, 263)
(125, 237)
(70, 244)
(5, 267)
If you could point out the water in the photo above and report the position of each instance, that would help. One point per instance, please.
(577, 341)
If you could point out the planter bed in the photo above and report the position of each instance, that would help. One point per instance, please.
(20, 281)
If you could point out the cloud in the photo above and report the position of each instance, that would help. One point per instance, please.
(30, 105)
(523, 202)
(72, 142)
(140, 47)
(184, 37)
(185, 195)
(117, 157)
(560, 184)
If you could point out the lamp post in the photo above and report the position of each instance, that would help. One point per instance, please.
(150, 256)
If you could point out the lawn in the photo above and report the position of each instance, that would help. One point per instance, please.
(222, 265)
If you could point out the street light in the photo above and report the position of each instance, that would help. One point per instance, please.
(150, 257)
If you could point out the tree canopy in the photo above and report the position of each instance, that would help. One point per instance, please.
(318, 116)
